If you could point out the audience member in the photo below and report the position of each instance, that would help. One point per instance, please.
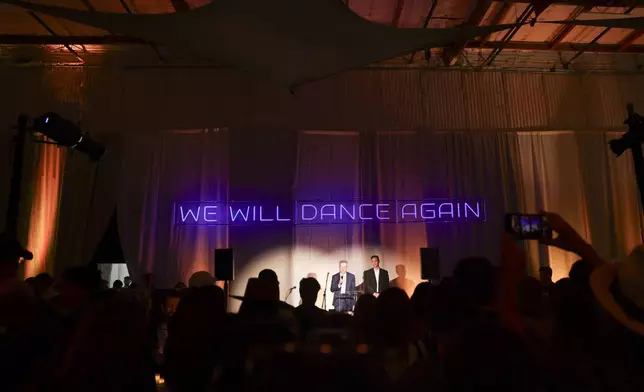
(308, 315)
(487, 328)
(18, 317)
(117, 285)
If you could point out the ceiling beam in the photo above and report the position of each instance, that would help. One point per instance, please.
(595, 40)
(498, 17)
(428, 19)
(123, 40)
(562, 47)
(591, 3)
(476, 16)
(53, 34)
(630, 39)
(6, 39)
(398, 9)
(535, 9)
(564, 30)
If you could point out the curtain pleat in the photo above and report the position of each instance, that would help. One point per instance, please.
(262, 166)
(328, 169)
(157, 173)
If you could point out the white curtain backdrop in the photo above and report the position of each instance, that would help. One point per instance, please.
(571, 173)
(159, 170)
(327, 170)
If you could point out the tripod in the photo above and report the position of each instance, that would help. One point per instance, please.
(326, 282)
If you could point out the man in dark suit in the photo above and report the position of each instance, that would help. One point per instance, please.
(376, 279)
(343, 286)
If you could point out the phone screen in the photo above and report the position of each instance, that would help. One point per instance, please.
(528, 226)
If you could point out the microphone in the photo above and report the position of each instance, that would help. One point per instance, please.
(289, 293)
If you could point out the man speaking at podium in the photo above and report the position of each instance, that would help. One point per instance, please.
(343, 286)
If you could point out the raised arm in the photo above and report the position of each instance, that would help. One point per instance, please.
(569, 240)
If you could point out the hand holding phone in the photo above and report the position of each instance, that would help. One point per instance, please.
(528, 226)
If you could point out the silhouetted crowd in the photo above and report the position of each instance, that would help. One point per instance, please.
(488, 327)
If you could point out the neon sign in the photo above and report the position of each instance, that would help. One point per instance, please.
(330, 212)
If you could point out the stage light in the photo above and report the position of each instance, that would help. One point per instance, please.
(619, 146)
(634, 136)
(68, 134)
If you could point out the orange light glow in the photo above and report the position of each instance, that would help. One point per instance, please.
(44, 208)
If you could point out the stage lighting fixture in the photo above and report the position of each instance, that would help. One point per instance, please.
(68, 134)
(619, 146)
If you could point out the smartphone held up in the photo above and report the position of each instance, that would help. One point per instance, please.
(528, 226)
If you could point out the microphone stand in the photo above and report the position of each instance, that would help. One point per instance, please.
(289, 293)
(326, 282)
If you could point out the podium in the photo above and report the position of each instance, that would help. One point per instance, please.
(347, 300)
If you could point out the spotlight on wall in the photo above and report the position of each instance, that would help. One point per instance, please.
(68, 134)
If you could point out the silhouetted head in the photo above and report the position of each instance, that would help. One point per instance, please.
(117, 285)
(574, 309)
(201, 301)
(476, 278)
(401, 271)
(364, 319)
(201, 279)
(42, 283)
(394, 316)
(78, 285)
(10, 254)
(127, 281)
(545, 275)
(309, 288)
(421, 300)
(261, 291)
(268, 275)
(580, 272)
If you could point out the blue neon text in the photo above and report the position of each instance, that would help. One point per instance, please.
(315, 213)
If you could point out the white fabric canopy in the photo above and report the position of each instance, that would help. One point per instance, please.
(290, 41)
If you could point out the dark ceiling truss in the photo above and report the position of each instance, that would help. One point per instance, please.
(595, 40)
(476, 17)
(44, 25)
(498, 17)
(630, 39)
(564, 30)
(123, 40)
(591, 3)
(428, 18)
(398, 8)
(532, 11)
(154, 47)
(449, 54)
